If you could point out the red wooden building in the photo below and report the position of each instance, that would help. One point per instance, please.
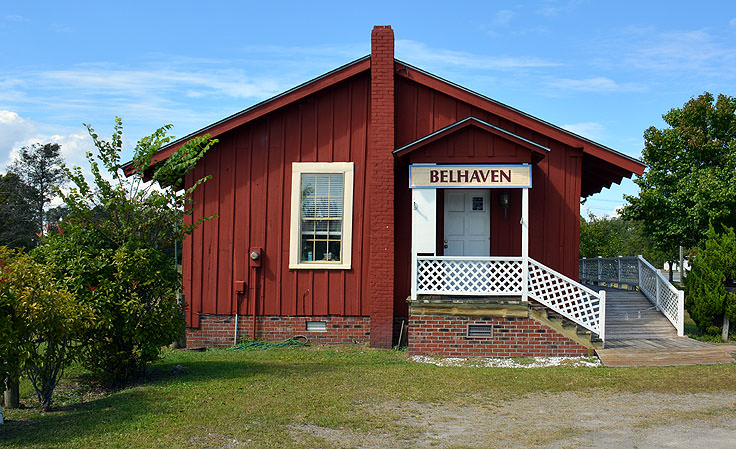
(379, 194)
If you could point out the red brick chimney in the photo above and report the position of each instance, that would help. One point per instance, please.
(381, 187)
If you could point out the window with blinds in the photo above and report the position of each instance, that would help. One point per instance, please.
(321, 215)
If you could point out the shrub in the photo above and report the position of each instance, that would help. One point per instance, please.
(39, 323)
(707, 300)
(111, 250)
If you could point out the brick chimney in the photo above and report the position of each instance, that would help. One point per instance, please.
(381, 187)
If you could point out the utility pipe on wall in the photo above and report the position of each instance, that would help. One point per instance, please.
(256, 258)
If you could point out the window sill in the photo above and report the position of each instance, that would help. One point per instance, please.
(320, 266)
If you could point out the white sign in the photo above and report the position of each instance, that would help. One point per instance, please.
(424, 176)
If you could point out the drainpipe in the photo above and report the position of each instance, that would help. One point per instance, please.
(256, 257)
(239, 292)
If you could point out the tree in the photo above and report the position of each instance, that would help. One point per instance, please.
(41, 168)
(39, 322)
(111, 250)
(18, 224)
(615, 236)
(708, 301)
(691, 177)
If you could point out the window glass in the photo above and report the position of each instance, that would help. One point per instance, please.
(321, 220)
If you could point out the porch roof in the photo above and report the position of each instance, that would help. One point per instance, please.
(540, 150)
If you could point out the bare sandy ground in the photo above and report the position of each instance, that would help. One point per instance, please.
(593, 419)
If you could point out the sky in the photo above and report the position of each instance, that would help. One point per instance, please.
(604, 70)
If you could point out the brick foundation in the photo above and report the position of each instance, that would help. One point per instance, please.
(447, 336)
(218, 330)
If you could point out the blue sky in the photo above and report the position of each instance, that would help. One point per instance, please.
(606, 70)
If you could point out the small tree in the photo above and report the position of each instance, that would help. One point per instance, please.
(691, 176)
(615, 236)
(41, 320)
(41, 168)
(18, 223)
(708, 302)
(111, 250)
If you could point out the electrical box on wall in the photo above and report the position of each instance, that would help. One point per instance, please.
(240, 287)
(256, 256)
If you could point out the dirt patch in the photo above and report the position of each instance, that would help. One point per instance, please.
(594, 419)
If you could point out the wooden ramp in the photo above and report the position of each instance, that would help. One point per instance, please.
(639, 335)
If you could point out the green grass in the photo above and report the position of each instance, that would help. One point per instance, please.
(257, 396)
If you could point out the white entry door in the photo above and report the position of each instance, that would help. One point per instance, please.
(467, 222)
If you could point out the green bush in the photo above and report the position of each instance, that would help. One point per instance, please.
(39, 323)
(707, 300)
(130, 291)
(111, 250)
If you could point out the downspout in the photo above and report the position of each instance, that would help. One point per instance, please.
(254, 297)
(239, 292)
(256, 258)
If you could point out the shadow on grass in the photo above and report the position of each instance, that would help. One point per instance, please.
(164, 392)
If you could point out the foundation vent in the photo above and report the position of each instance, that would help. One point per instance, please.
(480, 330)
(316, 326)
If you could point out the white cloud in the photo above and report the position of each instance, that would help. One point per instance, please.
(503, 17)
(595, 84)
(13, 129)
(73, 146)
(732, 22)
(553, 8)
(60, 28)
(419, 54)
(673, 54)
(591, 130)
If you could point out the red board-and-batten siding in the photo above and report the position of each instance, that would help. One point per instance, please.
(250, 192)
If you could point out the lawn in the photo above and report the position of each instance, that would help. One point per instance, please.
(257, 398)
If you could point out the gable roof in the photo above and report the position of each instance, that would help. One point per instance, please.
(604, 165)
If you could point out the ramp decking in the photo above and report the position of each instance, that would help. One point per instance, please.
(637, 334)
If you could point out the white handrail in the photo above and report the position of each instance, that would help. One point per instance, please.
(567, 297)
(637, 271)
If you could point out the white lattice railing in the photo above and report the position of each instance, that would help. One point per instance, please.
(638, 272)
(487, 276)
(501, 276)
(570, 299)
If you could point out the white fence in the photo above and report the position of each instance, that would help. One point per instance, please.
(636, 271)
(504, 276)
(480, 276)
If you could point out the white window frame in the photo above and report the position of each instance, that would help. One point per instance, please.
(297, 170)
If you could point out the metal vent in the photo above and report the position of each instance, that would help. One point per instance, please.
(316, 326)
(480, 330)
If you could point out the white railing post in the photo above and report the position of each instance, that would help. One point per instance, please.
(657, 289)
(619, 271)
(680, 313)
(414, 277)
(525, 245)
(600, 269)
(638, 263)
(602, 319)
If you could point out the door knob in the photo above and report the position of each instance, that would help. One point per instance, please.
(445, 246)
